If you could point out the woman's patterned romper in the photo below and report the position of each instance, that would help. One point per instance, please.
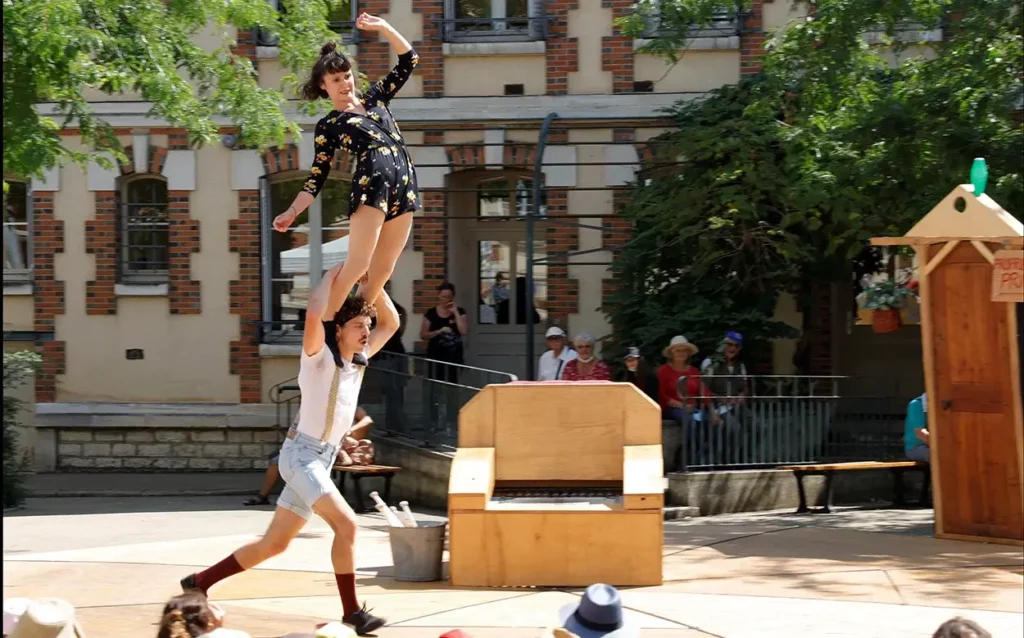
(384, 176)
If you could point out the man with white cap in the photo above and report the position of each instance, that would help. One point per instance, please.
(553, 361)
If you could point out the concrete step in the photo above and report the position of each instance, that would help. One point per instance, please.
(63, 484)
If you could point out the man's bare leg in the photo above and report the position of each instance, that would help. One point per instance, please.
(339, 515)
(284, 527)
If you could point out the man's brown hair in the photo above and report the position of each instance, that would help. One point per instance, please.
(354, 307)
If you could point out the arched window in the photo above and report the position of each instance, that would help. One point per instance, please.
(317, 241)
(17, 233)
(145, 230)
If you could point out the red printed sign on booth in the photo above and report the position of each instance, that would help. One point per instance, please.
(1008, 276)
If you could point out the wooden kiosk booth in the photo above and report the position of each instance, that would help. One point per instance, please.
(557, 484)
(969, 255)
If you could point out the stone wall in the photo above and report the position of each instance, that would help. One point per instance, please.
(97, 437)
(165, 449)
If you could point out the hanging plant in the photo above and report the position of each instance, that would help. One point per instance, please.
(885, 298)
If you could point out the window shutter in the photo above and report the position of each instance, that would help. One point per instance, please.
(448, 28)
(121, 236)
(266, 260)
(539, 23)
(30, 228)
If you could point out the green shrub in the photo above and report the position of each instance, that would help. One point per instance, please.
(18, 368)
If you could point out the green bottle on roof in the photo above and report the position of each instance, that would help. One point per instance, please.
(979, 176)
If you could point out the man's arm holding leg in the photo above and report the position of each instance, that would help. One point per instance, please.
(319, 310)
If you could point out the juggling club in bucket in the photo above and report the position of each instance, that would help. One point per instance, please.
(409, 519)
(383, 508)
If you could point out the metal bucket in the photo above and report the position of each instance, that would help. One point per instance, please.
(417, 551)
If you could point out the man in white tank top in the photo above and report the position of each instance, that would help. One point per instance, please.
(336, 345)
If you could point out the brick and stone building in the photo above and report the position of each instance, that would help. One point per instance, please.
(159, 281)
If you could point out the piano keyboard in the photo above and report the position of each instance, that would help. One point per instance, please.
(562, 496)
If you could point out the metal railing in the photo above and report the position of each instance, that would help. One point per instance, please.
(407, 395)
(765, 421)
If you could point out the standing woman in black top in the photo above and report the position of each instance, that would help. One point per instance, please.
(443, 328)
(384, 184)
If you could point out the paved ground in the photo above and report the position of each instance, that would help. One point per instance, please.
(855, 573)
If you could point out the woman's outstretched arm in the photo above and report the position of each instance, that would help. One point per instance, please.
(384, 90)
(367, 22)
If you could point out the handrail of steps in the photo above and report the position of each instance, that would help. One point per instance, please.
(470, 380)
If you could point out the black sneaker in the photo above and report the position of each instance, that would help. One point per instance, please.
(359, 360)
(363, 621)
(188, 585)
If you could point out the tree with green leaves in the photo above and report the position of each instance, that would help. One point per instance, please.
(785, 177)
(18, 369)
(57, 50)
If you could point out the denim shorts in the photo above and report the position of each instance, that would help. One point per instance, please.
(305, 465)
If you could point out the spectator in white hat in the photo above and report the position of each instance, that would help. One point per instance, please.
(552, 362)
(44, 618)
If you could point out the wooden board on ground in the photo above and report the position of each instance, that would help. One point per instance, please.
(851, 465)
(367, 469)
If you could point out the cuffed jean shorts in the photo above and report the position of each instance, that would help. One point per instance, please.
(305, 464)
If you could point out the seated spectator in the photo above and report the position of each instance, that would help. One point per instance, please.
(552, 363)
(586, 367)
(192, 615)
(960, 628)
(599, 613)
(915, 431)
(676, 373)
(25, 618)
(357, 447)
(726, 366)
(636, 372)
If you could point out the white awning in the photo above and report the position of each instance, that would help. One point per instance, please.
(296, 260)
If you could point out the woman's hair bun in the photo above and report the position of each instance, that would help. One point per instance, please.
(328, 48)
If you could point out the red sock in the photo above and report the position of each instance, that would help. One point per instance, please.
(347, 588)
(224, 569)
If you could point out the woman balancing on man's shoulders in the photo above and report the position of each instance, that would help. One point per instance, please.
(338, 340)
(384, 183)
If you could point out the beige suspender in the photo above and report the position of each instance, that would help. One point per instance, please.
(332, 402)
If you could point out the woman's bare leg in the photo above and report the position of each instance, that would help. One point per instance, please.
(364, 232)
(393, 237)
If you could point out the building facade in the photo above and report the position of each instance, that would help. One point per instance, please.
(160, 280)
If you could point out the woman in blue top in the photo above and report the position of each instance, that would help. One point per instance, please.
(915, 430)
(384, 184)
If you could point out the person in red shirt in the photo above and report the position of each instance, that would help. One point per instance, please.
(586, 367)
(686, 409)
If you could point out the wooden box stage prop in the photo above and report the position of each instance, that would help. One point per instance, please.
(971, 366)
(557, 484)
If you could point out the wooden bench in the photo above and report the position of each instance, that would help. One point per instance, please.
(828, 470)
(358, 472)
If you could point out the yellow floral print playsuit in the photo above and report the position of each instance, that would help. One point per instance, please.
(384, 177)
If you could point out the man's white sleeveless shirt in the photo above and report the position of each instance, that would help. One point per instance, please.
(329, 395)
